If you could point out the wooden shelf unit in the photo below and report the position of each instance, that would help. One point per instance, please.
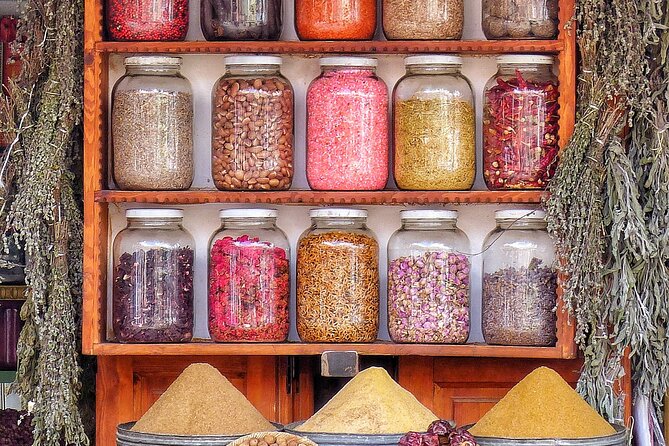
(308, 197)
(446, 378)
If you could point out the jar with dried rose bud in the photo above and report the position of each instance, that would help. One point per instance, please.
(521, 123)
(249, 278)
(152, 297)
(338, 278)
(252, 126)
(435, 125)
(519, 281)
(423, 19)
(152, 126)
(428, 279)
(520, 19)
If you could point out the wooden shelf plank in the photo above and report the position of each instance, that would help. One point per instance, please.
(293, 348)
(307, 197)
(329, 47)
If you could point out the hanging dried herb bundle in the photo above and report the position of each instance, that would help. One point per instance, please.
(41, 207)
(609, 203)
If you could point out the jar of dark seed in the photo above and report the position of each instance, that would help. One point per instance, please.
(338, 278)
(520, 19)
(519, 281)
(428, 279)
(152, 299)
(241, 19)
(252, 119)
(152, 126)
(249, 278)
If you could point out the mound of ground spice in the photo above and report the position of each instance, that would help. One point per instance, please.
(202, 402)
(371, 403)
(542, 405)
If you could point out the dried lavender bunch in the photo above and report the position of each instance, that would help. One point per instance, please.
(42, 206)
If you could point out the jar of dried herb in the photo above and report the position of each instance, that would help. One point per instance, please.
(521, 123)
(423, 19)
(428, 279)
(152, 126)
(252, 126)
(435, 126)
(519, 281)
(338, 278)
(241, 19)
(152, 297)
(520, 19)
(335, 19)
(249, 278)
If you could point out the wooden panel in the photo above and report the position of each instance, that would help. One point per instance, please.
(363, 47)
(128, 386)
(381, 348)
(308, 197)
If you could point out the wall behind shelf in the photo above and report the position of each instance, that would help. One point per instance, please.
(202, 221)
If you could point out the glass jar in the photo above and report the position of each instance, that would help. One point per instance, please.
(152, 20)
(423, 19)
(335, 19)
(519, 281)
(435, 126)
(252, 118)
(241, 19)
(338, 278)
(153, 278)
(347, 126)
(428, 279)
(521, 123)
(152, 126)
(520, 19)
(10, 328)
(249, 278)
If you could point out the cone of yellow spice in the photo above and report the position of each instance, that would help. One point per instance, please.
(372, 403)
(542, 405)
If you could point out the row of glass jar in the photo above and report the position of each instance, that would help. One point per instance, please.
(434, 128)
(428, 289)
(329, 19)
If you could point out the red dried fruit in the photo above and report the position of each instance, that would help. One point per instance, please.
(419, 439)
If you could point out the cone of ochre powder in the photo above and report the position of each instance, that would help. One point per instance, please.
(371, 403)
(542, 405)
(202, 402)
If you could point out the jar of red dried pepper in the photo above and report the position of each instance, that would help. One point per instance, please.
(147, 20)
(520, 123)
(338, 278)
(249, 278)
(252, 126)
(347, 126)
(335, 19)
(152, 298)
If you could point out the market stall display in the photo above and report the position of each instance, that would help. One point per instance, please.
(519, 281)
(249, 278)
(371, 403)
(193, 405)
(152, 125)
(347, 126)
(241, 19)
(152, 297)
(542, 405)
(434, 125)
(521, 123)
(252, 126)
(428, 279)
(338, 278)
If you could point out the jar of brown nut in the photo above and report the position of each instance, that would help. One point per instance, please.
(252, 126)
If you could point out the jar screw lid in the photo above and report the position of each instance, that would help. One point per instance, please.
(154, 213)
(435, 59)
(338, 213)
(522, 59)
(349, 62)
(253, 60)
(152, 61)
(520, 214)
(248, 213)
(429, 214)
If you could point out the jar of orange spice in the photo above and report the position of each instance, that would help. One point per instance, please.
(335, 19)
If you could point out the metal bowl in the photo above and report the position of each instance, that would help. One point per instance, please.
(617, 439)
(326, 439)
(126, 437)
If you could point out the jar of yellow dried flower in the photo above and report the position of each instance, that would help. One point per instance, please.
(338, 278)
(435, 125)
